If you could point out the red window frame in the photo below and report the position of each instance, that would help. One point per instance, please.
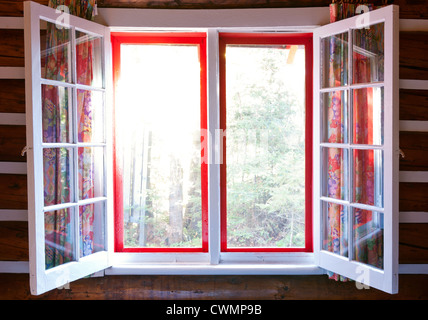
(199, 39)
(268, 39)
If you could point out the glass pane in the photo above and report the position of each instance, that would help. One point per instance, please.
(92, 228)
(90, 116)
(368, 54)
(56, 114)
(89, 55)
(91, 172)
(265, 147)
(368, 177)
(335, 180)
(158, 139)
(334, 59)
(335, 116)
(57, 172)
(59, 237)
(367, 120)
(55, 51)
(368, 237)
(335, 228)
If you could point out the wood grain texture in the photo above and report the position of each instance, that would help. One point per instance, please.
(12, 141)
(11, 48)
(13, 191)
(15, 8)
(413, 196)
(12, 95)
(413, 241)
(415, 148)
(414, 105)
(211, 4)
(14, 241)
(413, 55)
(214, 288)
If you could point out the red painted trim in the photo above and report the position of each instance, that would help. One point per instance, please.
(269, 39)
(199, 39)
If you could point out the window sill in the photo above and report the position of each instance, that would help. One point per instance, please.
(230, 264)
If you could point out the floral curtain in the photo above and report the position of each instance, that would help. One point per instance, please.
(368, 251)
(56, 118)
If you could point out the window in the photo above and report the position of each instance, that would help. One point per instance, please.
(216, 240)
(160, 115)
(266, 117)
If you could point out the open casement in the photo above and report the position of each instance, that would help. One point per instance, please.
(68, 147)
(356, 149)
(69, 165)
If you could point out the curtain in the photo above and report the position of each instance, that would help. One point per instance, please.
(368, 250)
(56, 119)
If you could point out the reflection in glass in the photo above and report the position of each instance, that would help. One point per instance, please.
(368, 54)
(90, 116)
(59, 237)
(335, 228)
(335, 173)
(334, 57)
(88, 59)
(91, 172)
(55, 51)
(92, 228)
(367, 120)
(368, 177)
(57, 175)
(335, 116)
(368, 237)
(56, 114)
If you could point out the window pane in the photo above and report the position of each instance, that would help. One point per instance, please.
(90, 116)
(57, 171)
(335, 173)
(92, 228)
(368, 177)
(158, 135)
(89, 57)
(91, 172)
(334, 53)
(56, 114)
(335, 106)
(265, 146)
(368, 116)
(368, 237)
(368, 54)
(335, 228)
(55, 47)
(59, 237)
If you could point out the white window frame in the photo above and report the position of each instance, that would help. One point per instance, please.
(386, 279)
(212, 22)
(42, 280)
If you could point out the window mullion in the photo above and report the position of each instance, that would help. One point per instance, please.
(350, 108)
(74, 174)
(214, 146)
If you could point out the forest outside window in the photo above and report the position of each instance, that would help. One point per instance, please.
(266, 112)
(160, 116)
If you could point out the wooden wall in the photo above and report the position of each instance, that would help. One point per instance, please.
(413, 196)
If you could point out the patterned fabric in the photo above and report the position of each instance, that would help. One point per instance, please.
(368, 251)
(56, 106)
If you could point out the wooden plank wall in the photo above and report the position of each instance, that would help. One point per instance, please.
(413, 196)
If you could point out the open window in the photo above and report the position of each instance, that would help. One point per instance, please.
(356, 148)
(69, 156)
(71, 151)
